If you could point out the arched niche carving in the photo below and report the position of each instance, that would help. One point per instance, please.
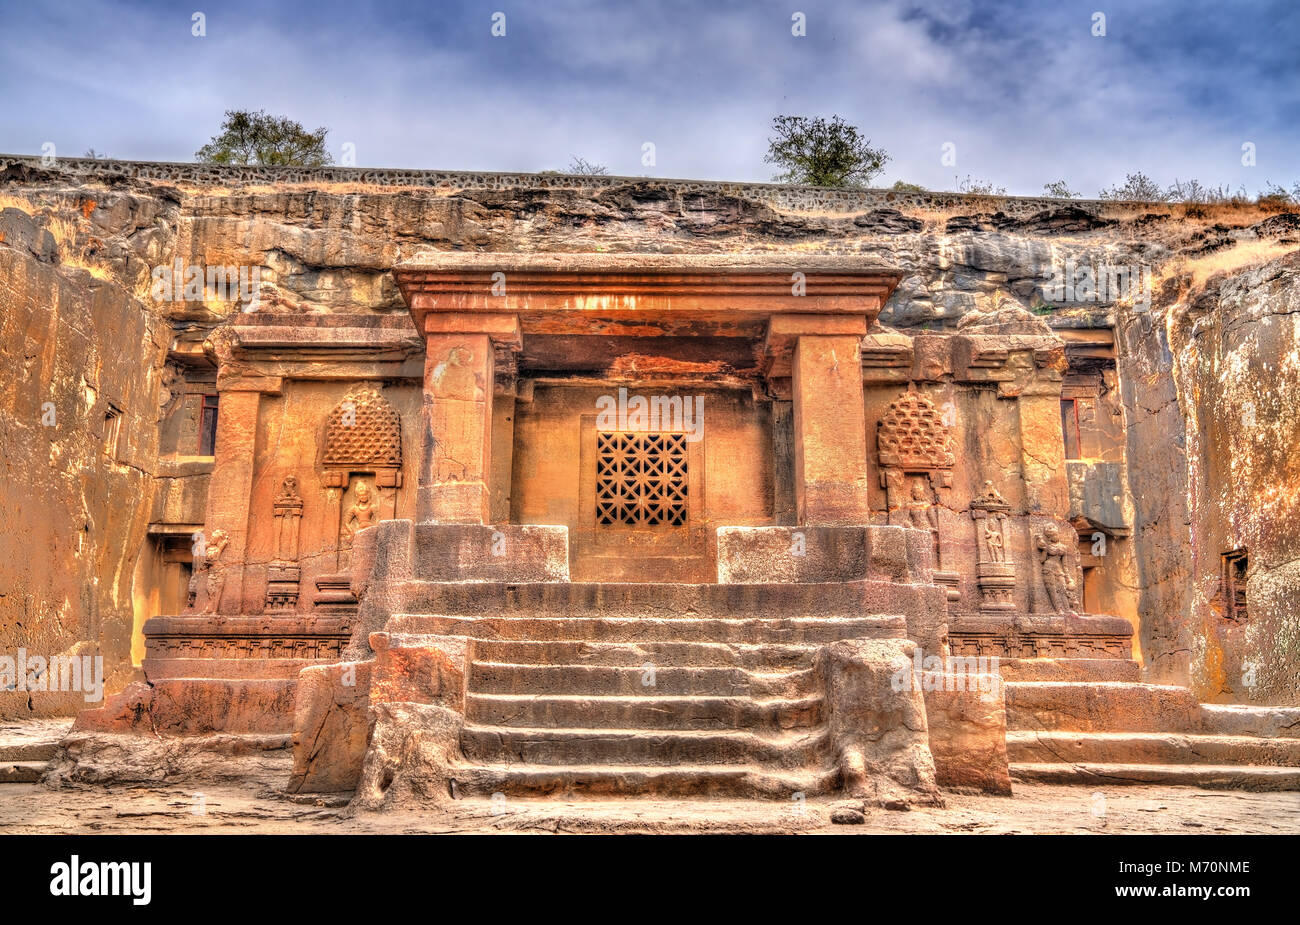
(363, 433)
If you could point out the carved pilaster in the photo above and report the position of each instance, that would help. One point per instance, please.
(283, 575)
(995, 572)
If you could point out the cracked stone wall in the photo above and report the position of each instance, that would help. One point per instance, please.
(1214, 435)
(78, 244)
(79, 435)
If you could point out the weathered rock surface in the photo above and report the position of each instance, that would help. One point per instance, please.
(878, 733)
(331, 727)
(412, 759)
(967, 719)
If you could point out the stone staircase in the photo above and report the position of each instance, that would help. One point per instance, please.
(594, 689)
(1091, 722)
(26, 747)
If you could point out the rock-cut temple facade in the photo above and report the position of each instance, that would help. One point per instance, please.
(605, 517)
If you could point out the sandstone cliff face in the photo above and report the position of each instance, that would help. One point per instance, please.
(1215, 436)
(1204, 374)
(78, 427)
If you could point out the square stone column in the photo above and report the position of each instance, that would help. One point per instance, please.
(457, 415)
(230, 491)
(455, 473)
(830, 431)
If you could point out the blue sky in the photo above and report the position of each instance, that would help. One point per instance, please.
(1023, 90)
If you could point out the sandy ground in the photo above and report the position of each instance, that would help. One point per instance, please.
(259, 808)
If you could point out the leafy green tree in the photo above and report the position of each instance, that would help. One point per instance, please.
(815, 152)
(256, 138)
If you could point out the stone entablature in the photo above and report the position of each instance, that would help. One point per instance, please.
(250, 637)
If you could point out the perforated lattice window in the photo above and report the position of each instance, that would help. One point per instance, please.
(640, 479)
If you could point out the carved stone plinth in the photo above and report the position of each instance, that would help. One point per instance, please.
(334, 595)
(997, 584)
(282, 582)
(951, 582)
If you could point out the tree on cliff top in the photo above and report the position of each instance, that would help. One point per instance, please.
(815, 152)
(256, 138)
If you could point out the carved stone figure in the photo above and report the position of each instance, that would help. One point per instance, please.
(993, 540)
(287, 511)
(216, 569)
(1052, 561)
(920, 511)
(363, 513)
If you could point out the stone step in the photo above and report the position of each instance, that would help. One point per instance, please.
(1210, 777)
(518, 745)
(1101, 706)
(197, 706)
(36, 740)
(1069, 669)
(27, 750)
(657, 600)
(645, 712)
(731, 781)
(1250, 720)
(1150, 748)
(21, 772)
(633, 654)
(597, 680)
(231, 668)
(789, 630)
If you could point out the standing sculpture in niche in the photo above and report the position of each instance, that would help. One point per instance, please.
(283, 575)
(216, 570)
(993, 542)
(920, 510)
(994, 574)
(914, 444)
(1053, 563)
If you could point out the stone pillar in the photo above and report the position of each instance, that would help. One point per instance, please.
(230, 489)
(830, 431)
(457, 430)
(455, 472)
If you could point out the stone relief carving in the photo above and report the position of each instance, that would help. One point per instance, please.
(916, 460)
(284, 575)
(913, 436)
(363, 432)
(994, 573)
(1055, 567)
(363, 513)
(288, 516)
(209, 573)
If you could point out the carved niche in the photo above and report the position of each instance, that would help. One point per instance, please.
(995, 572)
(914, 446)
(284, 574)
(363, 433)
